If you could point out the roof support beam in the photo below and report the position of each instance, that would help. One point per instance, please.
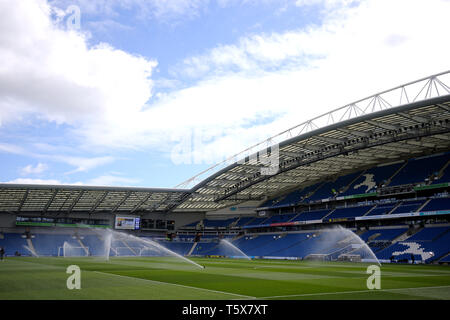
(99, 201)
(49, 202)
(242, 174)
(24, 199)
(127, 195)
(417, 118)
(291, 154)
(383, 125)
(75, 201)
(356, 133)
(141, 202)
(329, 139)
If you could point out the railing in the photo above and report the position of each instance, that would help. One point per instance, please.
(423, 89)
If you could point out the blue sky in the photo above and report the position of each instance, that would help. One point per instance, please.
(114, 101)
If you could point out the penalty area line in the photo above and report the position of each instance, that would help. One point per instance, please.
(178, 285)
(349, 292)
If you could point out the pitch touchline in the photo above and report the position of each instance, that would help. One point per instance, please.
(345, 292)
(178, 285)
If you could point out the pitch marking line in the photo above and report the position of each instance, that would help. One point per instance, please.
(177, 285)
(346, 292)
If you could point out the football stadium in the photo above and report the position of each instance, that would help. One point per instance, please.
(352, 204)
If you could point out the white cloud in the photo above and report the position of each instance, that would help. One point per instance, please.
(10, 148)
(34, 181)
(244, 92)
(112, 180)
(163, 10)
(53, 72)
(83, 164)
(303, 73)
(103, 180)
(30, 169)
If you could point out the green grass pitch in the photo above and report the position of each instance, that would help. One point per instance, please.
(224, 279)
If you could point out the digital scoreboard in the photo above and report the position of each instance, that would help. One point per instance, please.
(127, 223)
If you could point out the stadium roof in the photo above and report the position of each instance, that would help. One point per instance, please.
(16, 198)
(396, 124)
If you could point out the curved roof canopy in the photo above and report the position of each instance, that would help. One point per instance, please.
(403, 122)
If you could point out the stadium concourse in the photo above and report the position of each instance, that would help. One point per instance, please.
(378, 166)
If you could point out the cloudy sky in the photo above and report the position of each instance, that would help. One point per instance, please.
(107, 92)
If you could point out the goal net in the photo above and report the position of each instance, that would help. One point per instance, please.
(125, 251)
(70, 251)
(350, 257)
(316, 257)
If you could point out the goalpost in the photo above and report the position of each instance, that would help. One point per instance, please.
(126, 251)
(136, 252)
(69, 251)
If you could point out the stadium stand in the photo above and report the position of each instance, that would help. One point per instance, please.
(408, 206)
(437, 204)
(417, 170)
(244, 220)
(377, 154)
(349, 212)
(332, 188)
(12, 242)
(280, 218)
(430, 243)
(48, 244)
(311, 215)
(372, 178)
(208, 223)
(381, 209)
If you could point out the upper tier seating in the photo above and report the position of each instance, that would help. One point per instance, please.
(408, 206)
(381, 209)
(437, 204)
(280, 218)
(413, 171)
(209, 223)
(349, 212)
(445, 177)
(417, 170)
(312, 215)
(331, 188)
(370, 179)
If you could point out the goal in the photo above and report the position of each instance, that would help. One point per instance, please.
(316, 257)
(70, 251)
(126, 251)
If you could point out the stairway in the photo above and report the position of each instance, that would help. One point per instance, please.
(395, 173)
(395, 207)
(131, 249)
(324, 217)
(83, 246)
(408, 233)
(444, 256)
(370, 210)
(423, 205)
(350, 184)
(31, 247)
(441, 172)
(192, 248)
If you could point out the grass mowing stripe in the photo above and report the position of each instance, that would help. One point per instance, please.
(349, 292)
(179, 285)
